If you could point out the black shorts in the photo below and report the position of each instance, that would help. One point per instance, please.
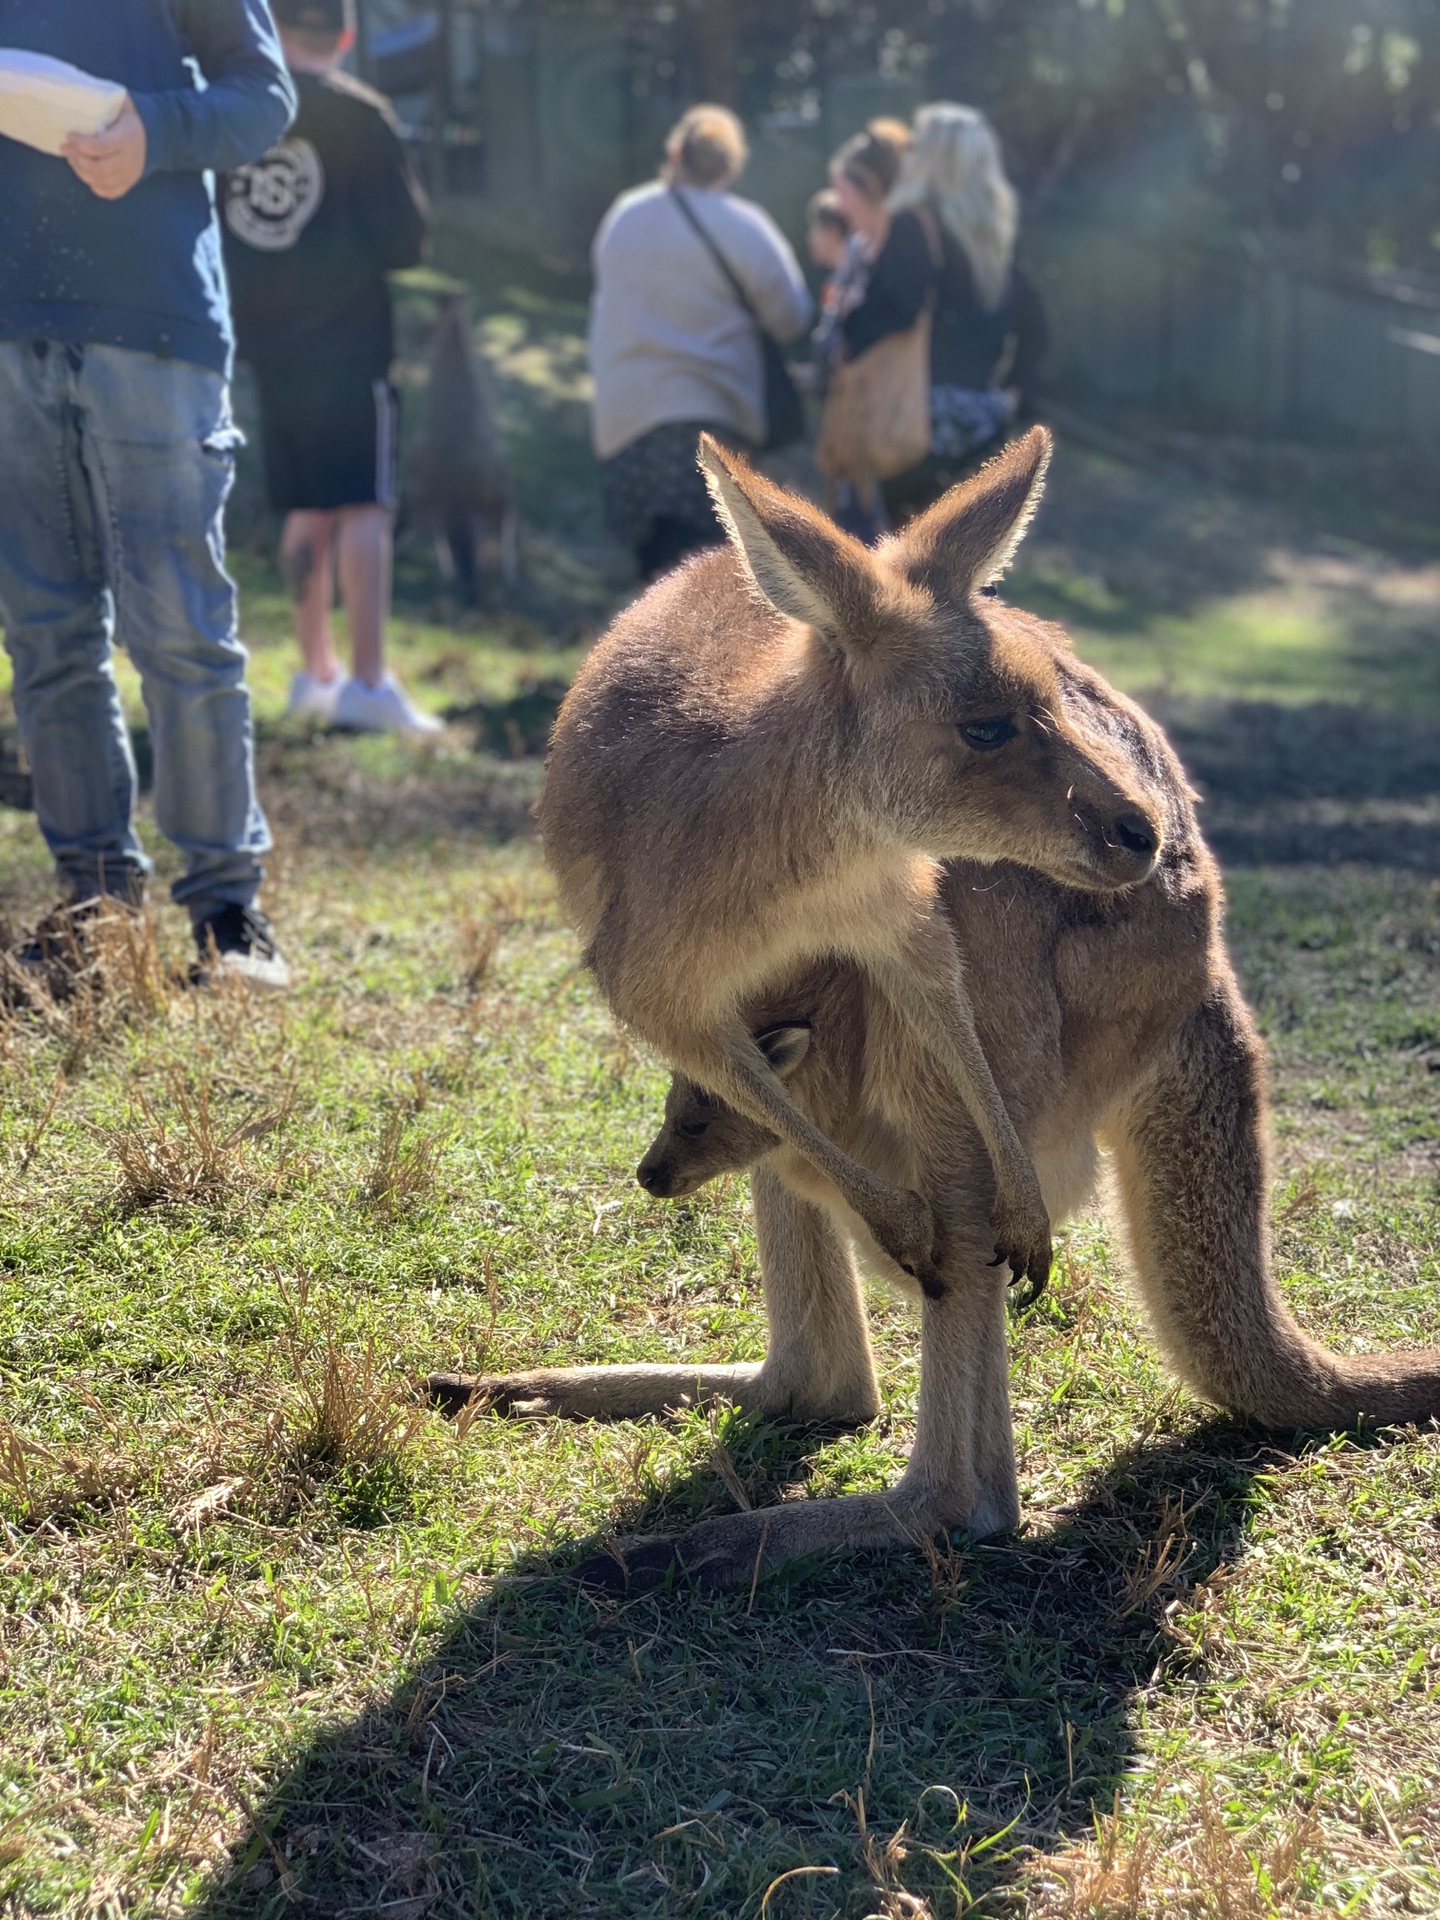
(331, 436)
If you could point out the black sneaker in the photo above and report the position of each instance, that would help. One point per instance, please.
(60, 951)
(238, 941)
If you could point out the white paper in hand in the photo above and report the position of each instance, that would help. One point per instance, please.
(44, 101)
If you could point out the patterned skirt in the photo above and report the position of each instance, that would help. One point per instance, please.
(963, 419)
(658, 477)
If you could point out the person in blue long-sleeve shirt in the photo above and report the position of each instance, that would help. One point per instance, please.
(116, 456)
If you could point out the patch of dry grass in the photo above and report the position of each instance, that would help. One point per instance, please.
(402, 1173)
(173, 1149)
(1212, 1871)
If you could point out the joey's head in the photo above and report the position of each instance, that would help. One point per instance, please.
(700, 1137)
(961, 738)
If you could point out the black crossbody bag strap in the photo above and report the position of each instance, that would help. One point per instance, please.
(716, 255)
(784, 411)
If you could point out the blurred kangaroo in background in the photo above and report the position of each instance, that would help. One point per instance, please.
(1110, 1018)
(462, 490)
(765, 760)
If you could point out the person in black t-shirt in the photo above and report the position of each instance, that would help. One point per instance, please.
(311, 230)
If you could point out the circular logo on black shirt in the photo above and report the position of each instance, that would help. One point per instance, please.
(270, 203)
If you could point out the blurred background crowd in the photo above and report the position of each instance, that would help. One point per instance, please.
(1234, 204)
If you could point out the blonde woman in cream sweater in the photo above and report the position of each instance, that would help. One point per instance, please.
(673, 350)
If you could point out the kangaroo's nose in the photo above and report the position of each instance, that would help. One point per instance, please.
(1136, 834)
(652, 1179)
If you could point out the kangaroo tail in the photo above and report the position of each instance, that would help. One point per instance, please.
(1191, 1157)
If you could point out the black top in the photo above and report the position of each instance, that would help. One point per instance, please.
(312, 229)
(970, 345)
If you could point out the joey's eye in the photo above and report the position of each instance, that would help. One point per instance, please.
(985, 734)
(692, 1129)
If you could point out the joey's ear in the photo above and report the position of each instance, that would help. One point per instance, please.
(784, 1048)
(797, 559)
(968, 538)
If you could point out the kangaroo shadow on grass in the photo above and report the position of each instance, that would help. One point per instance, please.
(563, 1752)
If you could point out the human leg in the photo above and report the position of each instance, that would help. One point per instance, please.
(365, 557)
(307, 561)
(669, 541)
(59, 618)
(372, 699)
(159, 440)
(655, 496)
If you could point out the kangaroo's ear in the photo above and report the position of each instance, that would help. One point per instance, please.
(784, 1048)
(797, 559)
(968, 538)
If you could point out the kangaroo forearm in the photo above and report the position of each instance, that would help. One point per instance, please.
(969, 1073)
(926, 989)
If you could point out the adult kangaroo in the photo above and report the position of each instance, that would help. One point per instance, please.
(765, 760)
(1110, 1018)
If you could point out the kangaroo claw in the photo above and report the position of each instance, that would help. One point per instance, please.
(910, 1236)
(1028, 1289)
(1022, 1242)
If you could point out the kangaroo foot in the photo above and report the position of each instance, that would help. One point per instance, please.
(1022, 1242)
(451, 1393)
(739, 1549)
(591, 1393)
(907, 1230)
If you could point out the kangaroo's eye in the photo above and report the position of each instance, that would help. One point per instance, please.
(984, 735)
(692, 1129)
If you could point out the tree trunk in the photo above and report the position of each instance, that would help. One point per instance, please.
(717, 34)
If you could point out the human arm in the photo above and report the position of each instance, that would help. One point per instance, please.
(248, 101)
(113, 161)
(899, 282)
(390, 201)
(774, 282)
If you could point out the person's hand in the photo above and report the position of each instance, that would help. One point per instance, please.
(112, 162)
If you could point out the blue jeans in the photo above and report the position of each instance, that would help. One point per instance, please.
(114, 471)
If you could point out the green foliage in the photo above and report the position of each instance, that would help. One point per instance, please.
(1227, 116)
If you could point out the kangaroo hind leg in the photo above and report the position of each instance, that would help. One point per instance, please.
(818, 1368)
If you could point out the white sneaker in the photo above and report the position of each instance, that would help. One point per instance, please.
(383, 709)
(312, 699)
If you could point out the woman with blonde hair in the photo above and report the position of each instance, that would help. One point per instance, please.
(882, 284)
(687, 275)
(988, 332)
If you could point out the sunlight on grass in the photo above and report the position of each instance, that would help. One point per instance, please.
(276, 1639)
(1271, 645)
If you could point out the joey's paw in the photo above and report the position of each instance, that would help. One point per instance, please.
(452, 1393)
(1022, 1243)
(911, 1236)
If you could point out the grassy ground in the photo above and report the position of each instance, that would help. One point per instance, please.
(271, 1639)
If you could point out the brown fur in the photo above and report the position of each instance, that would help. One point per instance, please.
(461, 489)
(765, 761)
(1111, 1018)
